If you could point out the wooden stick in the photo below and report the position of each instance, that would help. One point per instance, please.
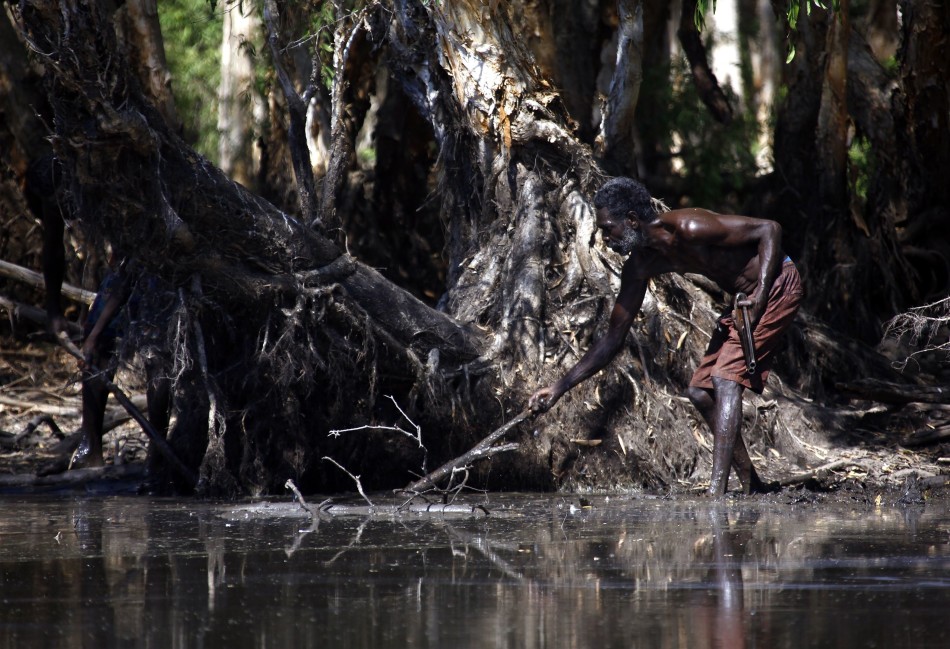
(18, 310)
(44, 418)
(33, 278)
(161, 444)
(925, 437)
(481, 450)
(812, 474)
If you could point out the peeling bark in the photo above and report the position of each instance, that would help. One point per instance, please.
(240, 107)
(615, 140)
(146, 49)
(833, 118)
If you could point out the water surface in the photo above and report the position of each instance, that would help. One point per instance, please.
(538, 571)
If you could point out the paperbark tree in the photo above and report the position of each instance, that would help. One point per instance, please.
(240, 106)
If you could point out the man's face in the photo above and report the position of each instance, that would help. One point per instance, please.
(620, 234)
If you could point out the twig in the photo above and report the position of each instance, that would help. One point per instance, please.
(355, 478)
(801, 478)
(395, 428)
(34, 424)
(313, 511)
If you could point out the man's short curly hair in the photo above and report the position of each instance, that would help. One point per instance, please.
(624, 195)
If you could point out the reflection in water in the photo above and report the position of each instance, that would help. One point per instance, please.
(539, 572)
(721, 622)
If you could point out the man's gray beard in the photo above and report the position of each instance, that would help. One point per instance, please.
(632, 240)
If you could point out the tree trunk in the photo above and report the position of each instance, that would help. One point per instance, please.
(615, 142)
(240, 107)
(143, 35)
(706, 83)
(833, 121)
(273, 325)
(759, 41)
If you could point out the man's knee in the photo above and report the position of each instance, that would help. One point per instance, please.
(727, 387)
(700, 397)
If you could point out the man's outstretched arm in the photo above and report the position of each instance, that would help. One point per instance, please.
(603, 350)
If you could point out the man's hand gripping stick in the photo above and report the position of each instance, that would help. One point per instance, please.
(740, 313)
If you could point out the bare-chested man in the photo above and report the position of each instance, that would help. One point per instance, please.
(741, 254)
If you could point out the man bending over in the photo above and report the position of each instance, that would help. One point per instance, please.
(740, 254)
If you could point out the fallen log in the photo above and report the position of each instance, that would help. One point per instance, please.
(35, 406)
(926, 437)
(35, 279)
(896, 393)
(425, 509)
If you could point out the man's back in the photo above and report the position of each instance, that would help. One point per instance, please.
(724, 248)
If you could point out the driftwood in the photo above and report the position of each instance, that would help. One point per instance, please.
(20, 311)
(328, 508)
(424, 509)
(925, 437)
(35, 279)
(897, 393)
(817, 472)
(481, 450)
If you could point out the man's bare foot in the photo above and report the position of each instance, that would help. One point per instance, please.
(85, 457)
(757, 486)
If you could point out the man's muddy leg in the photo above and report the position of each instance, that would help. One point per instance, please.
(158, 394)
(741, 461)
(727, 418)
(94, 396)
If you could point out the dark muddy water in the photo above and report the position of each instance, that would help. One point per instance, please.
(538, 571)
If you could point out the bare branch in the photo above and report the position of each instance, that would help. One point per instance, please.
(355, 478)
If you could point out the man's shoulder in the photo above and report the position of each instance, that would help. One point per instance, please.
(687, 213)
